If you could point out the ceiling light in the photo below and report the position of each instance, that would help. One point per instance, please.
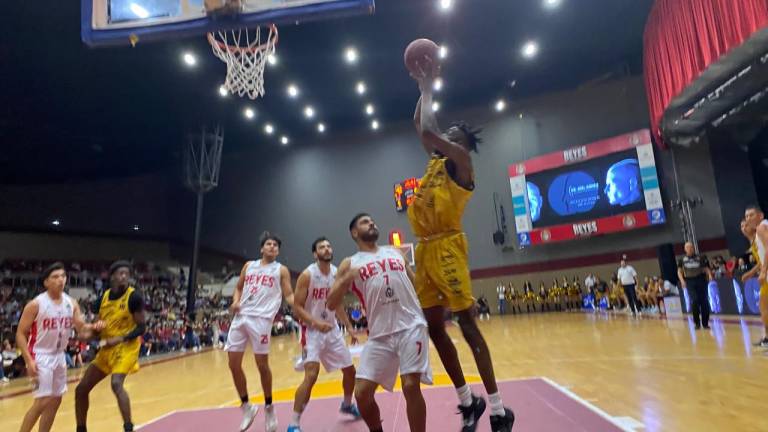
(272, 59)
(135, 227)
(293, 91)
(249, 113)
(360, 88)
(189, 59)
(435, 106)
(446, 4)
(369, 109)
(443, 53)
(284, 140)
(223, 91)
(437, 84)
(320, 127)
(530, 49)
(55, 222)
(350, 54)
(139, 11)
(269, 129)
(500, 105)
(309, 112)
(552, 4)
(375, 125)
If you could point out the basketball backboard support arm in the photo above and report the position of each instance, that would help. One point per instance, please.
(97, 30)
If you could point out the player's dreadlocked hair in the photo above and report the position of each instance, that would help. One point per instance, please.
(471, 133)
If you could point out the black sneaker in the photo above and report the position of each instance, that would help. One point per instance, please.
(471, 414)
(503, 423)
(763, 343)
(706, 326)
(698, 326)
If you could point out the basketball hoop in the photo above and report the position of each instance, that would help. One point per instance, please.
(246, 57)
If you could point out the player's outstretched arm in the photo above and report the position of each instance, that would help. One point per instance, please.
(285, 285)
(344, 278)
(85, 331)
(22, 333)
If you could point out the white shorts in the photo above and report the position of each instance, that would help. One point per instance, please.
(330, 349)
(51, 375)
(406, 350)
(245, 329)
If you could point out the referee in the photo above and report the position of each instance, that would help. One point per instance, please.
(693, 273)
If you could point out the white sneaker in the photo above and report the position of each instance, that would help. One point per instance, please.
(270, 420)
(249, 414)
(5, 380)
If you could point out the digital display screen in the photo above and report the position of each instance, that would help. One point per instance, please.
(405, 193)
(592, 189)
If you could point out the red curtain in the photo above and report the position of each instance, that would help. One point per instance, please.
(683, 37)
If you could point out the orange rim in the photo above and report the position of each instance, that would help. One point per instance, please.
(233, 48)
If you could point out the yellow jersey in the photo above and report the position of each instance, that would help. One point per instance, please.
(116, 315)
(438, 205)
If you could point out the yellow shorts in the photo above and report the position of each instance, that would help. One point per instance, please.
(442, 273)
(119, 359)
(763, 291)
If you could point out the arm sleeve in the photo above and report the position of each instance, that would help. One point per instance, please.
(135, 302)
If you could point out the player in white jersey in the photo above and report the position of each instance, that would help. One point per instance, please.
(324, 340)
(397, 330)
(259, 294)
(43, 334)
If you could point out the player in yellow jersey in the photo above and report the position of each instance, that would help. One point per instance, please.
(755, 221)
(122, 310)
(442, 268)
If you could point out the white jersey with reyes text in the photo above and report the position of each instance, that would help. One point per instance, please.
(317, 295)
(262, 292)
(386, 292)
(52, 326)
(761, 248)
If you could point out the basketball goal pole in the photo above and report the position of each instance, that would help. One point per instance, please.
(202, 163)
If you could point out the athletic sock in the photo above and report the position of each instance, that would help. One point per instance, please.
(82, 429)
(268, 401)
(296, 419)
(347, 401)
(244, 398)
(128, 427)
(465, 395)
(496, 406)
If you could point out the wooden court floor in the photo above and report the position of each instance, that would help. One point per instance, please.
(662, 374)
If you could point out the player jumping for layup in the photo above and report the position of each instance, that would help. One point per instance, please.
(122, 310)
(256, 300)
(42, 336)
(324, 341)
(397, 334)
(442, 274)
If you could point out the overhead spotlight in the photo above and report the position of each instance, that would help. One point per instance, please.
(249, 113)
(360, 88)
(320, 127)
(139, 11)
(269, 129)
(223, 90)
(309, 112)
(272, 59)
(350, 54)
(500, 105)
(189, 59)
(437, 84)
(435, 106)
(552, 4)
(55, 222)
(293, 91)
(135, 227)
(530, 49)
(369, 109)
(446, 4)
(513, 83)
(284, 140)
(443, 52)
(375, 125)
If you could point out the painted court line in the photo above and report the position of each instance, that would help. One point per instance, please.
(585, 403)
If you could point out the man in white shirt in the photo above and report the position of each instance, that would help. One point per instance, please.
(501, 290)
(628, 280)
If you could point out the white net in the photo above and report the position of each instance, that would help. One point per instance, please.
(246, 57)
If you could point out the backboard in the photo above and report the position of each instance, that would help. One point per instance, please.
(121, 22)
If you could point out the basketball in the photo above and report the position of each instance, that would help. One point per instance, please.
(419, 50)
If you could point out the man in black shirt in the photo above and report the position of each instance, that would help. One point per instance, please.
(693, 272)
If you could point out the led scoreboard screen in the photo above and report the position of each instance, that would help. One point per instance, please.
(405, 192)
(599, 188)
